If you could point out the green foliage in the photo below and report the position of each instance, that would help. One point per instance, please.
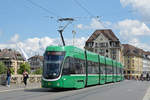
(24, 66)
(3, 68)
(38, 71)
(12, 70)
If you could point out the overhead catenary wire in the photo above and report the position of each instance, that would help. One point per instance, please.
(84, 8)
(87, 11)
(43, 8)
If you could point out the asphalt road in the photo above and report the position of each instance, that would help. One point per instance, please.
(126, 90)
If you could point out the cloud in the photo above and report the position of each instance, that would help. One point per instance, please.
(94, 24)
(137, 43)
(80, 26)
(78, 42)
(131, 28)
(15, 38)
(140, 6)
(37, 45)
(130, 31)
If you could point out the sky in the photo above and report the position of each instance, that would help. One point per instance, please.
(32, 25)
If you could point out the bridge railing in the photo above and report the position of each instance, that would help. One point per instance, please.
(18, 79)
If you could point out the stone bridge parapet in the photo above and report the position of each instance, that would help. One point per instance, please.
(18, 79)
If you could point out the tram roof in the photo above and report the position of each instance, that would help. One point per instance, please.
(79, 53)
(63, 48)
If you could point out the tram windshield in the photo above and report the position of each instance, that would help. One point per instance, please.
(52, 64)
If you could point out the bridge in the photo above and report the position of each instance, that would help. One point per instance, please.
(125, 90)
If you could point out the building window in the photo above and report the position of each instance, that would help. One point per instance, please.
(114, 57)
(101, 51)
(128, 66)
(128, 61)
(106, 50)
(128, 72)
(96, 45)
(113, 51)
(103, 44)
(90, 44)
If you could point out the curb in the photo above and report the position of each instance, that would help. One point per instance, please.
(147, 95)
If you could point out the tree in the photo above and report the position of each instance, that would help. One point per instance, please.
(12, 70)
(24, 66)
(38, 71)
(3, 68)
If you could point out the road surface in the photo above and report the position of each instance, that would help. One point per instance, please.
(126, 90)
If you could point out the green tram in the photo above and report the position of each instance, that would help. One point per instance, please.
(72, 67)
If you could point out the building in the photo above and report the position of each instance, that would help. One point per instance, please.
(133, 61)
(35, 62)
(105, 43)
(146, 62)
(11, 58)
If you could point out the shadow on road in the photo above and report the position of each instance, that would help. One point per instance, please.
(47, 90)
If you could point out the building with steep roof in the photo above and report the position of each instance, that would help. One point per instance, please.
(35, 62)
(146, 62)
(133, 61)
(105, 43)
(11, 58)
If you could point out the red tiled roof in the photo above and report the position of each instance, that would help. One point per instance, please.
(37, 57)
(11, 54)
(131, 50)
(146, 52)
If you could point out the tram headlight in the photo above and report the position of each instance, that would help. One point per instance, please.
(54, 74)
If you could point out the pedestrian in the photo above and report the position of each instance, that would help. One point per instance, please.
(8, 77)
(141, 77)
(25, 77)
(147, 76)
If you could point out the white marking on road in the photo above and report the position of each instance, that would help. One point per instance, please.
(11, 90)
(147, 95)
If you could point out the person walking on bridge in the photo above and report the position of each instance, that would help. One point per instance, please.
(8, 77)
(147, 76)
(25, 77)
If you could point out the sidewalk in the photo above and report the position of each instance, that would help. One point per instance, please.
(19, 87)
(147, 95)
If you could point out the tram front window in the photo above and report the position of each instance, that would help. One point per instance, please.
(52, 64)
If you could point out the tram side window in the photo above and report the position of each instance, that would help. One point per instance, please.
(77, 66)
(89, 67)
(96, 68)
(93, 67)
(102, 69)
(66, 66)
(118, 70)
(109, 69)
(121, 71)
(114, 69)
(72, 66)
(82, 62)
